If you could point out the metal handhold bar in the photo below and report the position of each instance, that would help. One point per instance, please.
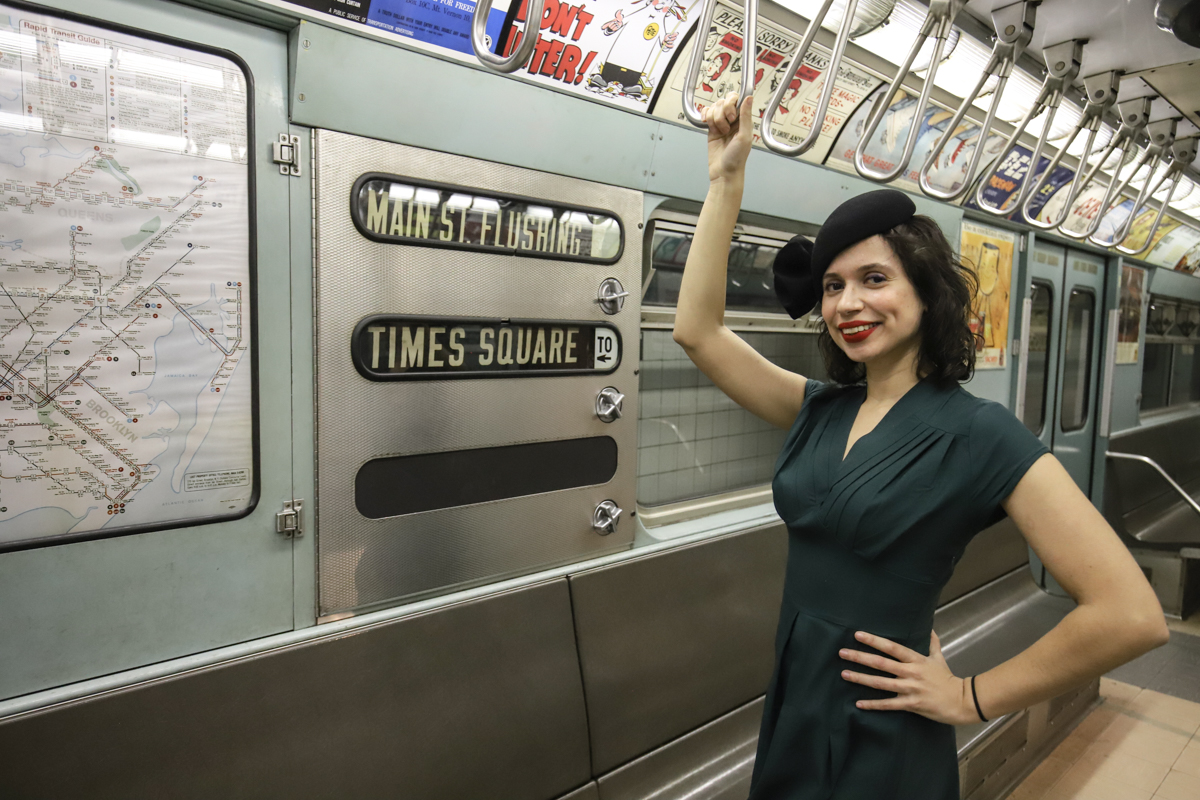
(1183, 153)
(520, 56)
(1134, 116)
(749, 41)
(1014, 29)
(939, 22)
(1162, 136)
(1187, 498)
(1101, 95)
(835, 58)
(1062, 64)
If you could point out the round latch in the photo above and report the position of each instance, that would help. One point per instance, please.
(604, 518)
(611, 296)
(608, 404)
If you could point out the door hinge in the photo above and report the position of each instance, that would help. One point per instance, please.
(287, 154)
(290, 521)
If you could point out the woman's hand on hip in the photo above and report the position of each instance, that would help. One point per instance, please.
(730, 132)
(923, 684)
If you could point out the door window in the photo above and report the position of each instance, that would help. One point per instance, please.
(693, 441)
(1077, 359)
(1038, 370)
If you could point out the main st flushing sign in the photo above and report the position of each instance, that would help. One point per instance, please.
(390, 347)
(388, 208)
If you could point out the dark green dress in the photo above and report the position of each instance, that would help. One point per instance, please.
(872, 541)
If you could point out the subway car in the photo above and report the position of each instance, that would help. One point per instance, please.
(352, 455)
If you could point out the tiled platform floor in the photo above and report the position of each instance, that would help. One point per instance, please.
(1140, 743)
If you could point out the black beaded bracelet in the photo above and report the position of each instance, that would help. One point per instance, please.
(975, 697)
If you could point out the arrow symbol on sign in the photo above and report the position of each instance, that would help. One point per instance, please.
(602, 358)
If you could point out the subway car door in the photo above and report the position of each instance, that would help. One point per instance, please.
(153, 428)
(1066, 290)
(1061, 384)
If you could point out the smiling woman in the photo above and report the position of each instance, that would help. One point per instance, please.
(933, 284)
(884, 478)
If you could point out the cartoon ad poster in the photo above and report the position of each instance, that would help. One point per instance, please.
(989, 251)
(1133, 291)
(721, 73)
(441, 23)
(886, 147)
(616, 51)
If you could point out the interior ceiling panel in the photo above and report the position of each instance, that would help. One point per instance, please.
(1180, 83)
(1121, 34)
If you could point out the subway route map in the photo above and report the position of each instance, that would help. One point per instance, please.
(125, 386)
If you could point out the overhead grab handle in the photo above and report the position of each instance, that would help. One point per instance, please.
(1134, 116)
(1062, 65)
(939, 22)
(520, 56)
(1014, 29)
(839, 47)
(1162, 136)
(1101, 95)
(1183, 153)
(749, 54)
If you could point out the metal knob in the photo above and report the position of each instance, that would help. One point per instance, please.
(608, 404)
(604, 518)
(611, 296)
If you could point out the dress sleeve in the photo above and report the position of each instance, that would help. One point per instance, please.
(1002, 450)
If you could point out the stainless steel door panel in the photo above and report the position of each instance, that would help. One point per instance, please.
(671, 641)
(481, 699)
(364, 561)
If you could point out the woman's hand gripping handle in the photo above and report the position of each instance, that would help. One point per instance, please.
(730, 131)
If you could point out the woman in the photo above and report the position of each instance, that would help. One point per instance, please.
(882, 485)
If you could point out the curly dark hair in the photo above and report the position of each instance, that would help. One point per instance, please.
(945, 285)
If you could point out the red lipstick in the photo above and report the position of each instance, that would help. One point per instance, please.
(860, 335)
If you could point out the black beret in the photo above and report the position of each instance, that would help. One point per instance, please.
(801, 264)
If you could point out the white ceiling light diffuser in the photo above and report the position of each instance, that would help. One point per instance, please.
(868, 16)
(893, 40)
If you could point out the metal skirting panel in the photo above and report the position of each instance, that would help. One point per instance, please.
(1016, 751)
(672, 641)
(587, 792)
(713, 762)
(482, 699)
(367, 561)
(992, 553)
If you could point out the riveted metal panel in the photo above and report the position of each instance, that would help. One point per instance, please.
(368, 561)
(477, 700)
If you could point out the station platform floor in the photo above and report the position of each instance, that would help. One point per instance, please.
(1143, 741)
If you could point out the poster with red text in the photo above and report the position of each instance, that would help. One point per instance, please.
(721, 73)
(614, 50)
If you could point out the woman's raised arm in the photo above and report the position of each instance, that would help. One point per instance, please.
(757, 385)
